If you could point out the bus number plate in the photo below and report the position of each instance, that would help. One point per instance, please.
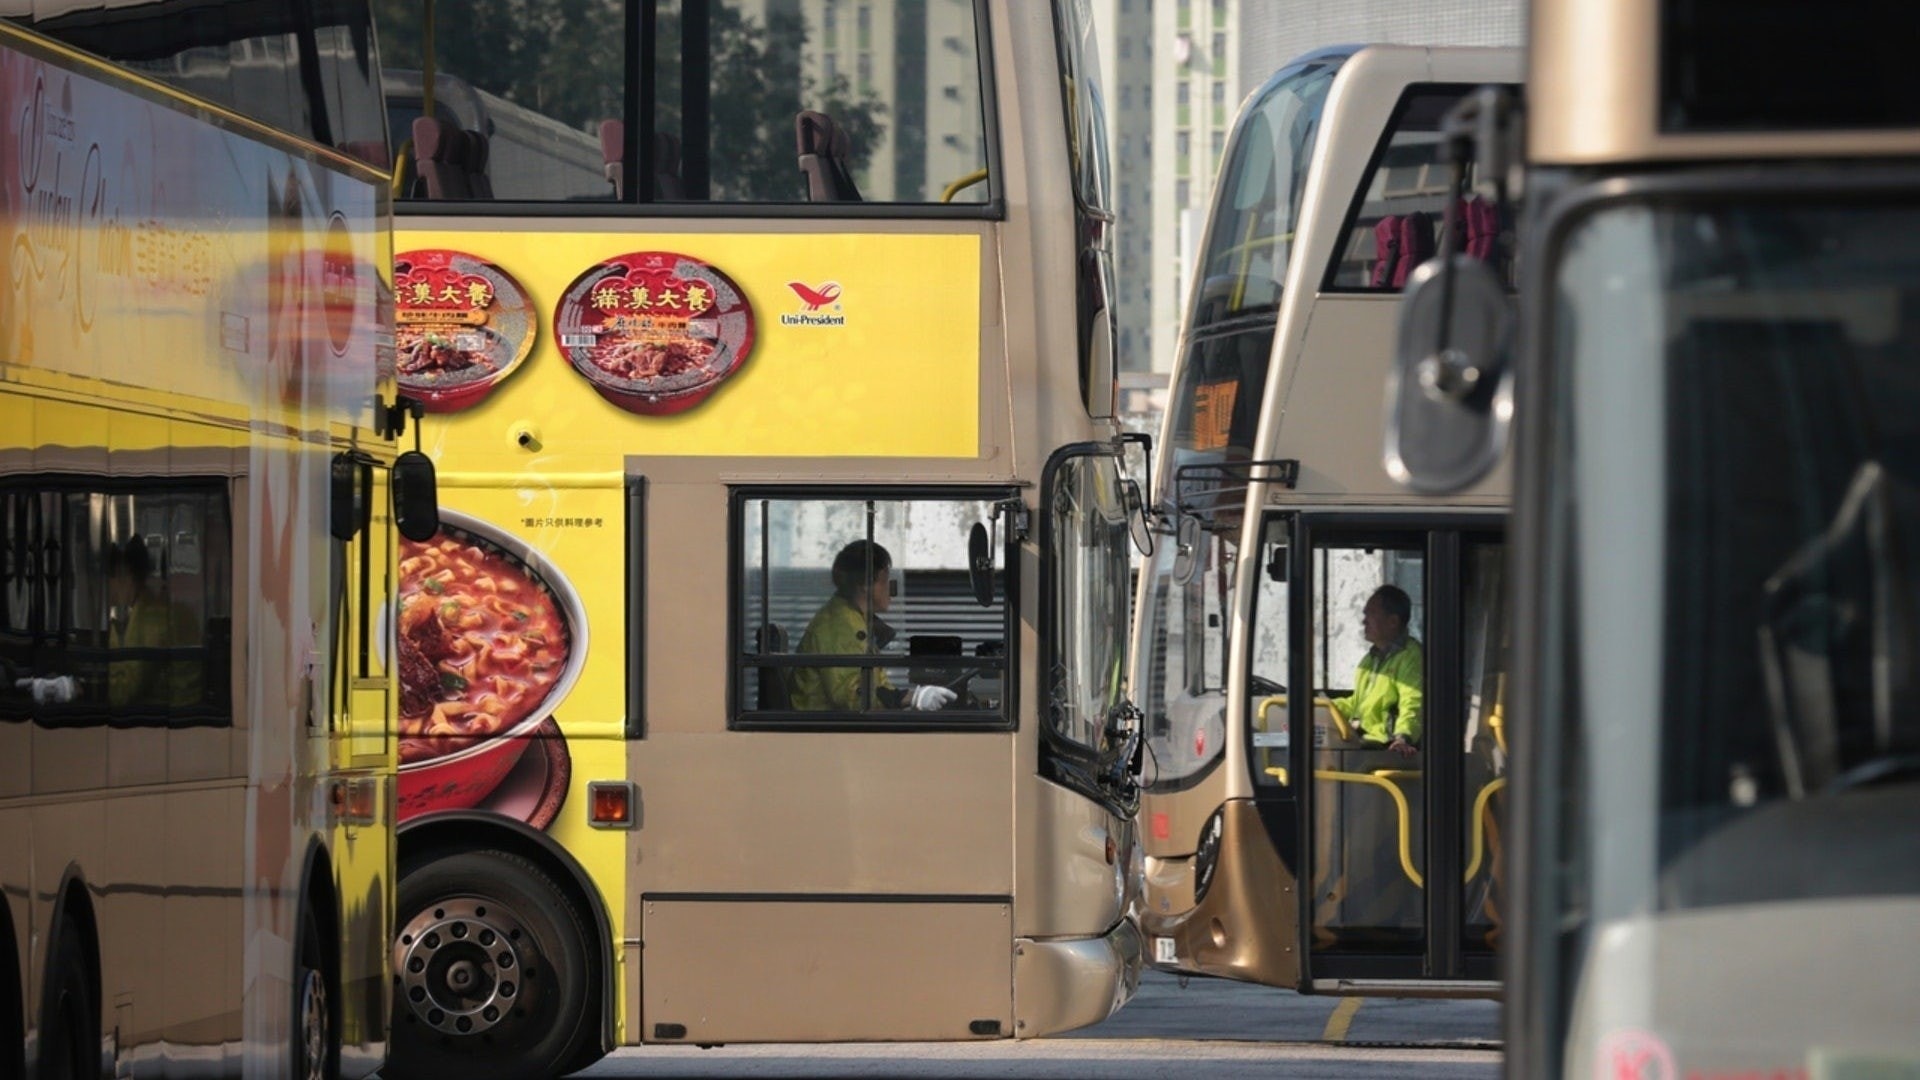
(1163, 950)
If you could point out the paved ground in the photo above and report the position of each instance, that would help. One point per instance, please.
(1208, 1029)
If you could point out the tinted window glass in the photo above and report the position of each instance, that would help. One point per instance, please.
(1751, 65)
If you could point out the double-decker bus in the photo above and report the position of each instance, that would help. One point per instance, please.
(766, 681)
(1298, 832)
(197, 763)
(1716, 826)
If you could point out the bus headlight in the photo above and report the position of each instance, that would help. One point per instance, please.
(1206, 856)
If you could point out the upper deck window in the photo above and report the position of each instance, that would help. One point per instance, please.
(304, 67)
(1396, 221)
(730, 101)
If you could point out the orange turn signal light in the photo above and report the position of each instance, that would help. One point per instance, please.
(610, 804)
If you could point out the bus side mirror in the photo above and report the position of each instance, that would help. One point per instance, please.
(351, 505)
(1449, 392)
(980, 565)
(416, 499)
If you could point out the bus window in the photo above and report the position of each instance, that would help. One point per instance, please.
(1369, 631)
(1183, 663)
(1396, 221)
(1269, 656)
(1258, 197)
(1229, 333)
(536, 109)
(848, 607)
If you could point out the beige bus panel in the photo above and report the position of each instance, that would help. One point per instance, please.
(1709, 981)
(1593, 97)
(822, 971)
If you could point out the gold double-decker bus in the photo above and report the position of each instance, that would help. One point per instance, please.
(1711, 383)
(766, 680)
(1319, 656)
(197, 531)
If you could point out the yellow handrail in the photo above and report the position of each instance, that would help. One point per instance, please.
(1400, 805)
(962, 184)
(400, 157)
(1280, 700)
(1479, 823)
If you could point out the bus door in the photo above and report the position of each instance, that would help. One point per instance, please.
(1384, 782)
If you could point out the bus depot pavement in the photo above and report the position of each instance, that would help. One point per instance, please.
(1210, 1028)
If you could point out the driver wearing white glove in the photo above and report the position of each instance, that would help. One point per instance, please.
(862, 590)
(58, 690)
(929, 698)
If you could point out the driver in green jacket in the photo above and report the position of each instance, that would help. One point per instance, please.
(1386, 699)
(849, 624)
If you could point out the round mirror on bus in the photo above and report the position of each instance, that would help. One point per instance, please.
(416, 499)
(1186, 550)
(1449, 399)
(980, 564)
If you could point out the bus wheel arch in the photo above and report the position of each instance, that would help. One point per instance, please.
(316, 999)
(13, 1001)
(537, 887)
(70, 997)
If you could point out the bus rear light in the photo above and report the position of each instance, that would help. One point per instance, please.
(1162, 828)
(610, 804)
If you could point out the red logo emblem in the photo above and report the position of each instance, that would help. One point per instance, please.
(1635, 1055)
(816, 298)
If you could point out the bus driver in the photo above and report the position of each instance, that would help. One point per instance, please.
(861, 591)
(1387, 685)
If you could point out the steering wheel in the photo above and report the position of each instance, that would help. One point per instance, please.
(1263, 686)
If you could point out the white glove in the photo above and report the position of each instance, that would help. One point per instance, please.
(929, 698)
(55, 691)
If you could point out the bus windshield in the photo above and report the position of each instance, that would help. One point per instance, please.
(1790, 615)
(1216, 396)
(1740, 501)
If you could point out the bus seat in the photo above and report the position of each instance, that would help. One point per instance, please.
(1401, 242)
(439, 158)
(613, 143)
(475, 160)
(825, 153)
(666, 161)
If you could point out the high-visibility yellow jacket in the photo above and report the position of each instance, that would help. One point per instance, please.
(837, 629)
(1386, 696)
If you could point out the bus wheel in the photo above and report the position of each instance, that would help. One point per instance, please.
(492, 971)
(316, 1044)
(70, 1041)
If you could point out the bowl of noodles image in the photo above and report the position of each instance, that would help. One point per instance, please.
(655, 332)
(492, 637)
(447, 368)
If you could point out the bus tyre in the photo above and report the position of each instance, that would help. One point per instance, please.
(316, 1040)
(493, 975)
(70, 1037)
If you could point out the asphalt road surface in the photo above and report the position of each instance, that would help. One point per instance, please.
(1210, 1028)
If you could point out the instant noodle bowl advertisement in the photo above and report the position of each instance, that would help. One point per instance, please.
(491, 638)
(464, 325)
(655, 332)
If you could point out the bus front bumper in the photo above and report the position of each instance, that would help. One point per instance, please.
(1063, 984)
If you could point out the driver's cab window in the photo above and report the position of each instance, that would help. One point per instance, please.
(1268, 658)
(870, 610)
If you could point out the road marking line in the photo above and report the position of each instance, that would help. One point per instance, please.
(1341, 1019)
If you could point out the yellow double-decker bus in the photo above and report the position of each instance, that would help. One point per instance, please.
(766, 679)
(197, 451)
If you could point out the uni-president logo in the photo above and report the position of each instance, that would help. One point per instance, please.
(812, 299)
(815, 297)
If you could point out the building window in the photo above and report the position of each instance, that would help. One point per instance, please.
(1126, 48)
(1219, 45)
(1126, 97)
(1184, 93)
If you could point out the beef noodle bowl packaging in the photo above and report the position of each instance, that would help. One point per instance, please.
(654, 332)
(463, 326)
